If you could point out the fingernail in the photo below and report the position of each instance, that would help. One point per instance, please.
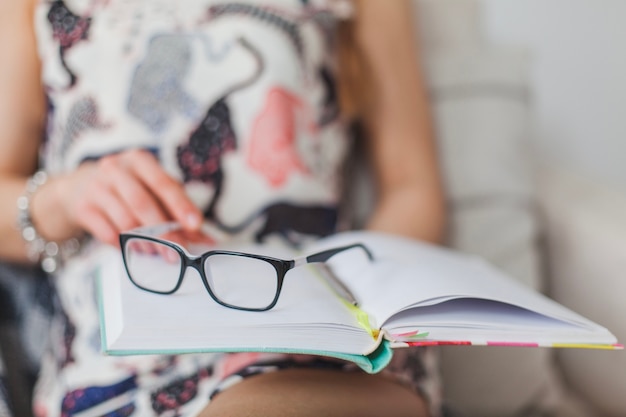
(193, 220)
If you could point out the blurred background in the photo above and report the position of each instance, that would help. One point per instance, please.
(577, 78)
(529, 103)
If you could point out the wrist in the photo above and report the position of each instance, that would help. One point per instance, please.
(43, 225)
(48, 211)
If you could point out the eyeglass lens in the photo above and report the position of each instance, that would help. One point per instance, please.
(241, 281)
(238, 281)
(152, 265)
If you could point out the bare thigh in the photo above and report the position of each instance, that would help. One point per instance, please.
(316, 392)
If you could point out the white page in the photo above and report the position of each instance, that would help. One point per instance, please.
(408, 273)
(190, 317)
(489, 322)
(477, 314)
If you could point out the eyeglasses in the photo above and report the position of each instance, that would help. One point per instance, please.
(238, 280)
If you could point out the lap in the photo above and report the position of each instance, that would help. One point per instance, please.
(316, 392)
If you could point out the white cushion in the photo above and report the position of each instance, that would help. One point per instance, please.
(449, 24)
(481, 104)
(585, 233)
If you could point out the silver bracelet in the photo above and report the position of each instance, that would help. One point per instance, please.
(49, 254)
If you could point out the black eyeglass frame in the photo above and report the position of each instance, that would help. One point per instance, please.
(281, 266)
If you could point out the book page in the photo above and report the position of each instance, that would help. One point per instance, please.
(407, 274)
(308, 316)
(485, 322)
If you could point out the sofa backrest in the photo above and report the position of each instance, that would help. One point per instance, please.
(481, 106)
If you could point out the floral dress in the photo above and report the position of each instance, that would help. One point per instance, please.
(238, 101)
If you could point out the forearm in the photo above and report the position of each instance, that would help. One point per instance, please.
(12, 245)
(399, 126)
(411, 199)
(22, 118)
(407, 212)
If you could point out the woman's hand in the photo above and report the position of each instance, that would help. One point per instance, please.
(114, 194)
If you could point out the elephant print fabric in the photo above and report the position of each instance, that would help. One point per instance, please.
(237, 100)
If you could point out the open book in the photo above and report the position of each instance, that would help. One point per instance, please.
(411, 294)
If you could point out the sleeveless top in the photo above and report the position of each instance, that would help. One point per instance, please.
(237, 101)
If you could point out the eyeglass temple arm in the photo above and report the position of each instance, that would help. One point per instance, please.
(327, 254)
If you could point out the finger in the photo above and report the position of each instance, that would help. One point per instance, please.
(132, 193)
(117, 212)
(134, 246)
(148, 247)
(141, 246)
(169, 192)
(174, 236)
(199, 237)
(186, 238)
(164, 251)
(93, 220)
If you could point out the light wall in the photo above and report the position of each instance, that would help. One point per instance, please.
(578, 52)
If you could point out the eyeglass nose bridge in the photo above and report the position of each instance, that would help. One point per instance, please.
(193, 261)
(197, 263)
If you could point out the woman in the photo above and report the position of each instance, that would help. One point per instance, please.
(159, 110)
